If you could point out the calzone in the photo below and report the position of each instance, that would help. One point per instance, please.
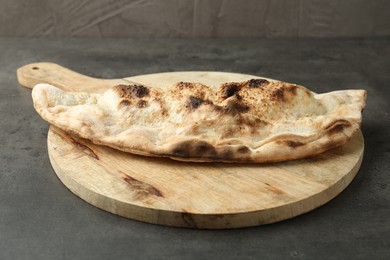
(252, 121)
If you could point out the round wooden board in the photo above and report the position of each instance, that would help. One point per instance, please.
(200, 195)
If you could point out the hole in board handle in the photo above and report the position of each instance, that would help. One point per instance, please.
(35, 68)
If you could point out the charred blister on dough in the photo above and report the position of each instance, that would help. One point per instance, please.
(124, 103)
(192, 87)
(194, 148)
(224, 153)
(292, 89)
(251, 122)
(185, 89)
(132, 91)
(278, 95)
(229, 89)
(194, 102)
(142, 103)
(233, 108)
(183, 85)
(255, 83)
(195, 129)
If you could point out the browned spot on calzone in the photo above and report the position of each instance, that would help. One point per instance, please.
(224, 153)
(142, 187)
(293, 144)
(132, 91)
(290, 143)
(124, 103)
(229, 90)
(183, 85)
(233, 108)
(243, 149)
(194, 148)
(278, 95)
(337, 129)
(253, 123)
(194, 102)
(292, 89)
(255, 83)
(142, 103)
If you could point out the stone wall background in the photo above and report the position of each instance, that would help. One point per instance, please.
(194, 18)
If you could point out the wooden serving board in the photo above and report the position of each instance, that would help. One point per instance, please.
(197, 195)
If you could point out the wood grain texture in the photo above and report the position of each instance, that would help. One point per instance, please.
(212, 196)
(194, 18)
(197, 195)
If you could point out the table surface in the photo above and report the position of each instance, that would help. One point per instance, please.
(41, 219)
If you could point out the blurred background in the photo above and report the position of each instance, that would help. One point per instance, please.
(194, 18)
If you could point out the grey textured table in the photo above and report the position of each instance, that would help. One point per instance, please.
(41, 219)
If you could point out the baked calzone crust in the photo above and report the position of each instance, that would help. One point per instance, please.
(251, 121)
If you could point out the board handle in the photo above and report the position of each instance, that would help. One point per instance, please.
(63, 78)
